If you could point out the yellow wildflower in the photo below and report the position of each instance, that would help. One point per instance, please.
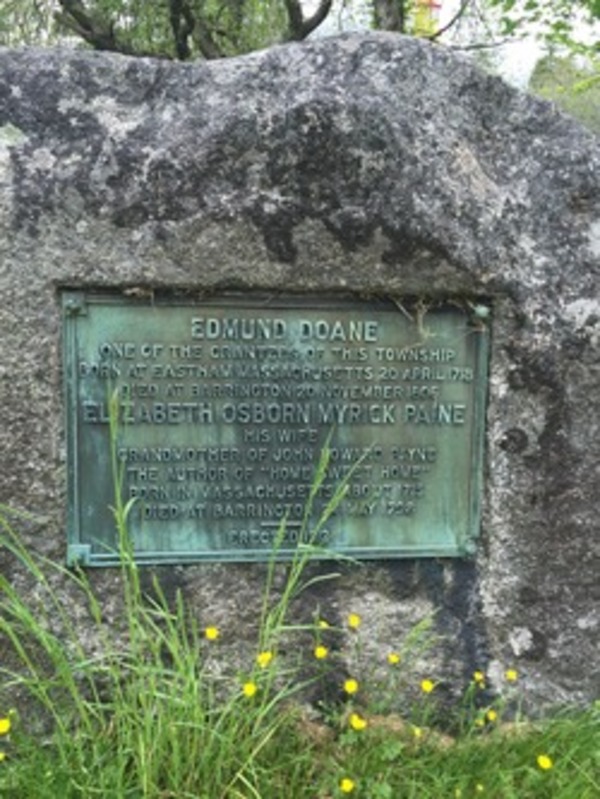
(211, 633)
(479, 677)
(393, 658)
(357, 722)
(544, 762)
(417, 732)
(351, 686)
(4, 726)
(249, 689)
(347, 785)
(511, 675)
(264, 658)
(427, 686)
(2, 756)
(479, 722)
(354, 621)
(322, 624)
(479, 788)
(321, 652)
(491, 715)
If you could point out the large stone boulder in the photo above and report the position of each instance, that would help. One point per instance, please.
(371, 165)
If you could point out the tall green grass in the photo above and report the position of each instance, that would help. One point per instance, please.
(149, 714)
(151, 710)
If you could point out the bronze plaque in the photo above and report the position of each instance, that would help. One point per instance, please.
(225, 405)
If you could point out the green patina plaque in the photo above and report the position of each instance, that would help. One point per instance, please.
(224, 407)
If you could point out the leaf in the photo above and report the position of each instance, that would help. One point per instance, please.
(381, 790)
(392, 750)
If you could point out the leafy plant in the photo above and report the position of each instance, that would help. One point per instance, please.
(152, 708)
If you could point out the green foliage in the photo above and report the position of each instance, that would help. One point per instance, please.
(170, 28)
(162, 714)
(186, 29)
(152, 707)
(154, 712)
(575, 89)
(566, 23)
(25, 22)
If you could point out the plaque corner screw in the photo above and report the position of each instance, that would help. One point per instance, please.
(480, 315)
(78, 555)
(481, 311)
(73, 307)
(470, 547)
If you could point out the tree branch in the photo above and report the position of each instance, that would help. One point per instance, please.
(182, 24)
(481, 45)
(317, 18)
(461, 11)
(97, 32)
(295, 19)
(390, 15)
(205, 41)
(298, 26)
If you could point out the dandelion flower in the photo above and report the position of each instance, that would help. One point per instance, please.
(211, 633)
(427, 686)
(491, 715)
(321, 652)
(354, 621)
(357, 722)
(4, 726)
(264, 658)
(347, 785)
(511, 675)
(322, 624)
(479, 677)
(417, 732)
(351, 686)
(393, 658)
(249, 689)
(544, 762)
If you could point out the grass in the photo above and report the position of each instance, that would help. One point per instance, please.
(153, 710)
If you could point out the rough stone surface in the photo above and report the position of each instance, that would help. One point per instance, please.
(375, 165)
